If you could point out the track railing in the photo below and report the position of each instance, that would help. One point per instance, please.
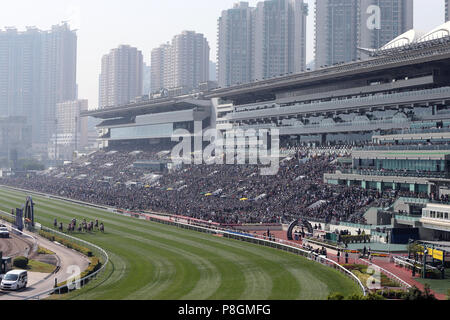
(389, 274)
(77, 283)
(273, 244)
(71, 284)
(26, 252)
(225, 233)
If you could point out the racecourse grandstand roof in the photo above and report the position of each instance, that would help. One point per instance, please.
(442, 31)
(414, 36)
(150, 106)
(404, 39)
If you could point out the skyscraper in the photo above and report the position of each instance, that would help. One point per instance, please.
(261, 42)
(336, 31)
(344, 25)
(184, 63)
(72, 130)
(160, 67)
(121, 78)
(279, 38)
(147, 81)
(37, 71)
(396, 17)
(58, 84)
(447, 17)
(234, 54)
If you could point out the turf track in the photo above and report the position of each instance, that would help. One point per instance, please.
(155, 261)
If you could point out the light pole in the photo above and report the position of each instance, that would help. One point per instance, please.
(56, 142)
(76, 133)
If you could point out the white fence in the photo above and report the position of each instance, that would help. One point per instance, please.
(77, 283)
(273, 244)
(226, 234)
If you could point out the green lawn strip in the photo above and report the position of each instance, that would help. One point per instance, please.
(256, 273)
(361, 272)
(41, 267)
(437, 285)
(42, 250)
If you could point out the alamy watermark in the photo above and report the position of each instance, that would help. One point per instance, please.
(73, 283)
(374, 19)
(236, 146)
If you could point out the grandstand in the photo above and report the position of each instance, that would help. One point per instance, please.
(355, 139)
(404, 88)
(150, 122)
(420, 169)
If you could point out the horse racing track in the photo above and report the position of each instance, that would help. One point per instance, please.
(159, 262)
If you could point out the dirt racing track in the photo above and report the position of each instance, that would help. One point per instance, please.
(65, 259)
(15, 246)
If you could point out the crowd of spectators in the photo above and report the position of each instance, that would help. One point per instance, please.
(229, 194)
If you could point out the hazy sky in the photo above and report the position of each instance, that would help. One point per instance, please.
(145, 24)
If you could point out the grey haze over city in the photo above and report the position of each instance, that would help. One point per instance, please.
(146, 24)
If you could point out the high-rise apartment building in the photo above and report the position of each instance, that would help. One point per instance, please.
(343, 26)
(121, 78)
(184, 63)
(37, 71)
(72, 130)
(447, 17)
(261, 42)
(147, 81)
(161, 67)
(212, 71)
(279, 38)
(234, 54)
(396, 17)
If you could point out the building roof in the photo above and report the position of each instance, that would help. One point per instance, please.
(148, 107)
(404, 39)
(414, 36)
(442, 31)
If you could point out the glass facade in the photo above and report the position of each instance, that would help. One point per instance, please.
(412, 165)
(143, 132)
(438, 166)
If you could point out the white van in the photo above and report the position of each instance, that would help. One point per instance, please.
(14, 280)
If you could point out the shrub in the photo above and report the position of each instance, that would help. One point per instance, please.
(415, 294)
(94, 265)
(67, 243)
(20, 262)
(42, 250)
(335, 296)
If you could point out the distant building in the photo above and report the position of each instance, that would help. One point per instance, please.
(447, 17)
(147, 80)
(37, 71)
(212, 71)
(262, 42)
(15, 140)
(72, 130)
(343, 26)
(121, 77)
(280, 38)
(234, 54)
(160, 67)
(183, 64)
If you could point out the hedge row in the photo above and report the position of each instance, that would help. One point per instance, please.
(355, 239)
(20, 262)
(67, 243)
(94, 265)
(7, 219)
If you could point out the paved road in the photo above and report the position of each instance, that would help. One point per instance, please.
(69, 260)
